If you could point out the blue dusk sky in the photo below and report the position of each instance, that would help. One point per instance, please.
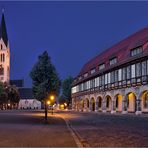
(71, 32)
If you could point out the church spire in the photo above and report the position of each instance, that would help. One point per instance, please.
(3, 30)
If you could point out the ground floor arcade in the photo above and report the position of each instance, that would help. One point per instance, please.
(127, 100)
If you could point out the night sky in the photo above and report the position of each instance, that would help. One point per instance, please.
(71, 32)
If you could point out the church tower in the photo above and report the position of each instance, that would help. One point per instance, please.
(4, 52)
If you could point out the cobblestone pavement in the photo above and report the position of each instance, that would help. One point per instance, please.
(107, 130)
(27, 129)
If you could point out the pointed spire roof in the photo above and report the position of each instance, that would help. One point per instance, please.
(3, 30)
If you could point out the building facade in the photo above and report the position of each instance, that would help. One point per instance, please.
(115, 80)
(4, 53)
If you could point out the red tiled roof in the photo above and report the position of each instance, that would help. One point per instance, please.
(120, 50)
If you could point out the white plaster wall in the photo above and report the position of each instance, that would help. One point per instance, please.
(29, 103)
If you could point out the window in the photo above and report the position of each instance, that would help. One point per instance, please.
(112, 77)
(88, 84)
(128, 72)
(133, 72)
(1, 46)
(138, 69)
(100, 102)
(113, 61)
(143, 68)
(1, 70)
(80, 78)
(3, 57)
(136, 51)
(117, 102)
(108, 78)
(124, 73)
(107, 102)
(74, 89)
(119, 74)
(103, 80)
(116, 76)
(85, 75)
(93, 71)
(102, 66)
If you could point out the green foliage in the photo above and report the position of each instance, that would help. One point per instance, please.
(12, 93)
(44, 77)
(66, 90)
(8, 93)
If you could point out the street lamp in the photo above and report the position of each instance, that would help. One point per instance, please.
(48, 102)
(51, 98)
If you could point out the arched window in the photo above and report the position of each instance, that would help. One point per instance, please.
(146, 100)
(117, 102)
(3, 57)
(107, 103)
(100, 102)
(1, 70)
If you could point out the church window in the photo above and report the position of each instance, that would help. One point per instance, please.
(1, 70)
(3, 57)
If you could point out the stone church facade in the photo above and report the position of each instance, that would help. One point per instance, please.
(4, 53)
(115, 80)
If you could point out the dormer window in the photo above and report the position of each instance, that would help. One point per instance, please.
(113, 61)
(102, 66)
(136, 51)
(85, 75)
(80, 78)
(93, 71)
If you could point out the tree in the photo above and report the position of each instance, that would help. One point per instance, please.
(13, 95)
(3, 95)
(8, 95)
(45, 79)
(66, 90)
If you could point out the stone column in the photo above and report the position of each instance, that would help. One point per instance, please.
(124, 105)
(113, 107)
(138, 107)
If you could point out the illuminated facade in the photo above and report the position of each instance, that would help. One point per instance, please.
(4, 53)
(115, 80)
